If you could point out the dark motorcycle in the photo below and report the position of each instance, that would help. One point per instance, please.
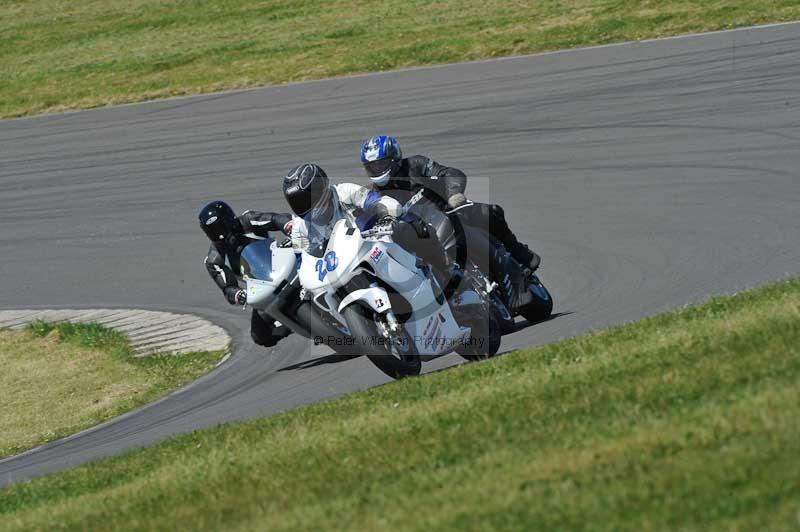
(453, 248)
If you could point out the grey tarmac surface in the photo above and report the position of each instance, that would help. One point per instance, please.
(647, 175)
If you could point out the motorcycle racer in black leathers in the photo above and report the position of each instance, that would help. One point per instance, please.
(400, 178)
(229, 234)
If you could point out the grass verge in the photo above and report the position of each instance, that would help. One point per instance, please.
(58, 54)
(60, 378)
(687, 420)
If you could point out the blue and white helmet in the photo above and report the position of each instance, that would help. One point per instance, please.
(381, 157)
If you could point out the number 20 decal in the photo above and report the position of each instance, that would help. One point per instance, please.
(328, 265)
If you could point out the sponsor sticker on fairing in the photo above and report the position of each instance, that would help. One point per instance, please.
(376, 253)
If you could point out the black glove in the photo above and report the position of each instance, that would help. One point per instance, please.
(408, 232)
(387, 220)
(235, 295)
(374, 215)
(241, 297)
(420, 227)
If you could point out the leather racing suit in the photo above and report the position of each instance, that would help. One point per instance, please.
(222, 263)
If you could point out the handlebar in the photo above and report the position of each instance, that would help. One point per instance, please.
(378, 231)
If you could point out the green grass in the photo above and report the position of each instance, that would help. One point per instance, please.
(689, 420)
(60, 378)
(61, 54)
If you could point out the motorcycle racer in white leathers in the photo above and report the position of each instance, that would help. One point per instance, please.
(318, 205)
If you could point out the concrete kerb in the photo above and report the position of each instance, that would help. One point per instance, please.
(153, 331)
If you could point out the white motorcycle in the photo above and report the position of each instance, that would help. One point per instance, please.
(391, 304)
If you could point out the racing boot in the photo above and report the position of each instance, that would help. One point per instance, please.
(519, 251)
(523, 254)
(265, 331)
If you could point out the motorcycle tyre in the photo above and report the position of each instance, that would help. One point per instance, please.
(363, 327)
(539, 309)
(489, 329)
(319, 326)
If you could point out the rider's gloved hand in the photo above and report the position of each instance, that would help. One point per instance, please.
(230, 293)
(456, 200)
(408, 231)
(387, 220)
(372, 216)
(240, 298)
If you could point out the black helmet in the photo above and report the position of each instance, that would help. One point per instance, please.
(217, 220)
(306, 187)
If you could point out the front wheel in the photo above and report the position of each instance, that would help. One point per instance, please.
(397, 357)
(485, 337)
(541, 306)
(317, 325)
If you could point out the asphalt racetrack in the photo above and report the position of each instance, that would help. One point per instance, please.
(647, 175)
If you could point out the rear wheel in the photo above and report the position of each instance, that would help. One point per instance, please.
(541, 306)
(395, 356)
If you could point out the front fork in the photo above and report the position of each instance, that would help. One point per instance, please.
(392, 323)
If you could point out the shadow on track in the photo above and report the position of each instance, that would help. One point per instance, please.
(327, 359)
(337, 358)
(524, 324)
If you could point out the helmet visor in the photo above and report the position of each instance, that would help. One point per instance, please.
(378, 168)
(322, 212)
(300, 203)
(217, 229)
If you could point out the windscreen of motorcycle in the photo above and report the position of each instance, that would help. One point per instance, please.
(256, 260)
(265, 267)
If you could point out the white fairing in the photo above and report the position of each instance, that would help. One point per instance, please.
(259, 292)
(262, 285)
(375, 297)
(431, 326)
(333, 268)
